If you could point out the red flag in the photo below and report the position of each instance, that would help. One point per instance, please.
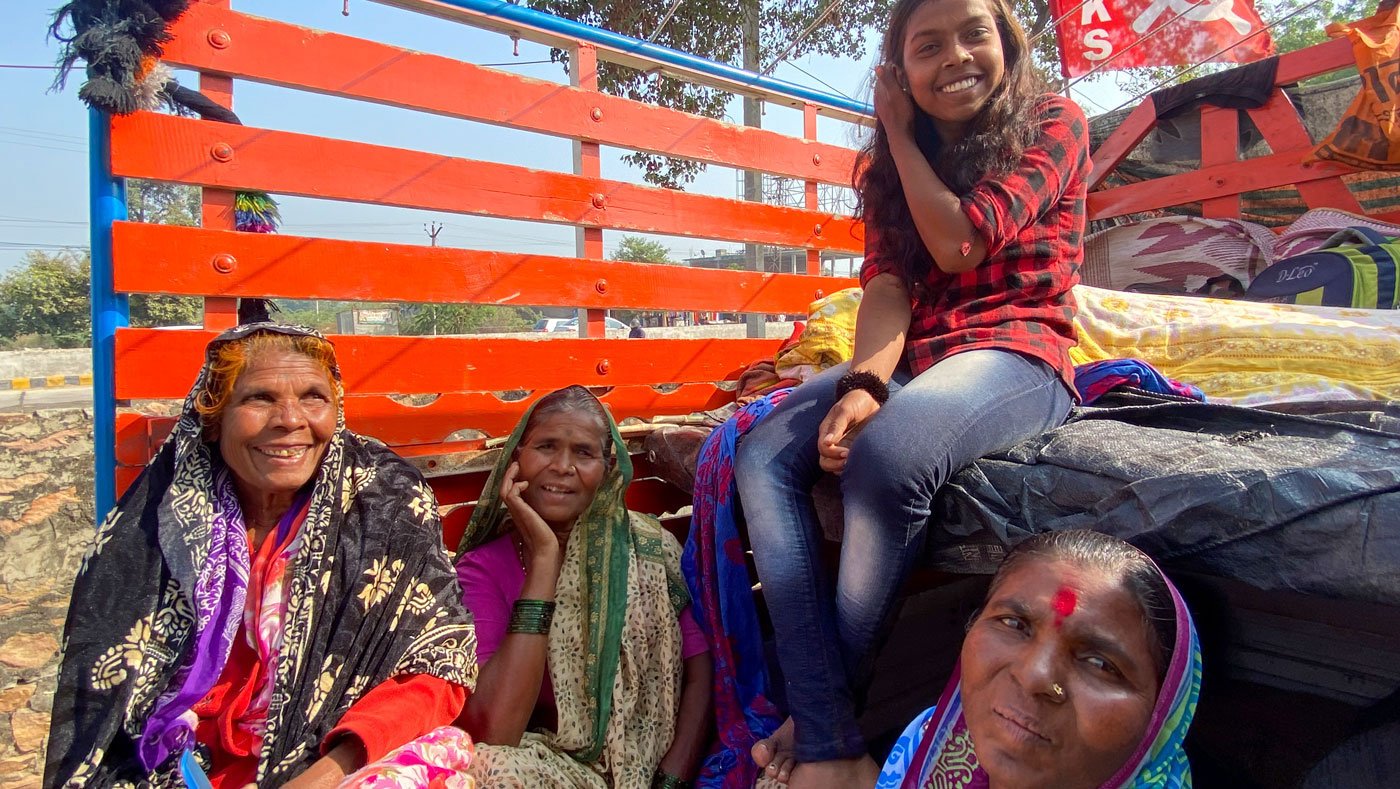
(1119, 34)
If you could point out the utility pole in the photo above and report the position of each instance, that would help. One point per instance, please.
(753, 180)
(432, 229)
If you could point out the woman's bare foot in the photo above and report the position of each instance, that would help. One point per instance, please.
(859, 773)
(774, 755)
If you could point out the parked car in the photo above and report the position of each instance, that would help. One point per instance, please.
(611, 324)
(552, 324)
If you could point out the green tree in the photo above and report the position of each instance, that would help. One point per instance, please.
(47, 295)
(713, 29)
(161, 203)
(642, 250)
(464, 319)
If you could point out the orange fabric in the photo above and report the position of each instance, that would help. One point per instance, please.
(397, 711)
(1368, 136)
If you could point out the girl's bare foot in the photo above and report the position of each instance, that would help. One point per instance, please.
(774, 755)
(859, 773)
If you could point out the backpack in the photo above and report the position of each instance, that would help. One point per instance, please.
(1355, 268)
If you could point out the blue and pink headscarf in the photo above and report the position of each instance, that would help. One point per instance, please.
(936, 750)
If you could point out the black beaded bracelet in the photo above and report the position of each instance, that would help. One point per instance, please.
(867, 382)
(664, 780)
(531, 617)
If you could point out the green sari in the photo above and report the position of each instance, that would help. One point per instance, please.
(614, 648)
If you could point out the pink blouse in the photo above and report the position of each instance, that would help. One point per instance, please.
(491, 579)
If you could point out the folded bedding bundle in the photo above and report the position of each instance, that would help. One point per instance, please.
(1246, 353)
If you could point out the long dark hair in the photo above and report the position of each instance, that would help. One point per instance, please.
(1138, 574)
(992, 144)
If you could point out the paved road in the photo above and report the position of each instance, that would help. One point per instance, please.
(35, 399)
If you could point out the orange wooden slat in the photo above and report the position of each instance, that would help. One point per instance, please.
(1317, 59)
(400, 425)
(154, 363)
(1220, 145)
(1122, 141)
(216, 205)
(282, 54)
(1262, 172)
(207, 153)
(423, 430)
(181, 261)
(1283, 130)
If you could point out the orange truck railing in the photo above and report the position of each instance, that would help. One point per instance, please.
(464, 373)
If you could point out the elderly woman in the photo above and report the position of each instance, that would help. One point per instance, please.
(593, 672)
(1081, 670)
(270, 602)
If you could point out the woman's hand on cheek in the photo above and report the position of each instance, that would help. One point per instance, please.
(840, 426)
(538, 540)
(893, 107)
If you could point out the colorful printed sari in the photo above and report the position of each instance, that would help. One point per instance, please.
(936, 750)
(161, 595)
(719, 582)
(614, 648)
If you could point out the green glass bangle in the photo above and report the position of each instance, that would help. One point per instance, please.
(531, 617)
(668, 781)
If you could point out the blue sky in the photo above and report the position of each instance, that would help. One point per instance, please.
(43, 135)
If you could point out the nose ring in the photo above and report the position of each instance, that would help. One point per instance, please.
(1057, 691)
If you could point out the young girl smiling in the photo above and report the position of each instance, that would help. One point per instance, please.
(972, 191)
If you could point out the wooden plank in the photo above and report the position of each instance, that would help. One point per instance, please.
(1122, 141)
(1278, 121)
(1262, 172)
(221, 155)
(1317, 59)
(401, 425)
(154, 363)
(1293, 67)
(1220, 145)
(180, 261)
(276, 53)
(423, 430)
(216, 205)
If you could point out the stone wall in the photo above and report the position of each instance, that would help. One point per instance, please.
(46, 520)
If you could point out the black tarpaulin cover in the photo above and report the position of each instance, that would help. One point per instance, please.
(1306, 501)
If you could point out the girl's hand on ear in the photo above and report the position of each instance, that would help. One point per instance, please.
(893, 106)
(541, 545)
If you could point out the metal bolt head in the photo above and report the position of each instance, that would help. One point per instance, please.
(601, 286)
(821, 294)
(598, 200)
(225, 263)
(817, 230)
(219, 39)
(596, 114)
(604, 367)
(221, 152)
(816, 158)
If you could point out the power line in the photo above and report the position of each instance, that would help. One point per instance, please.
(801, 37)
(664, 19)
(822, 81)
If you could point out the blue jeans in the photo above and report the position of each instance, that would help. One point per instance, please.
(827, 630)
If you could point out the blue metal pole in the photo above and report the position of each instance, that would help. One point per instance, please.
(501, 9)
(106, 204)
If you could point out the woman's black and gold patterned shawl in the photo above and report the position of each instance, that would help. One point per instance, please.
(372, 595)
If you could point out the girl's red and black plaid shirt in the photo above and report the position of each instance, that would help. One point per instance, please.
(1019, 298)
